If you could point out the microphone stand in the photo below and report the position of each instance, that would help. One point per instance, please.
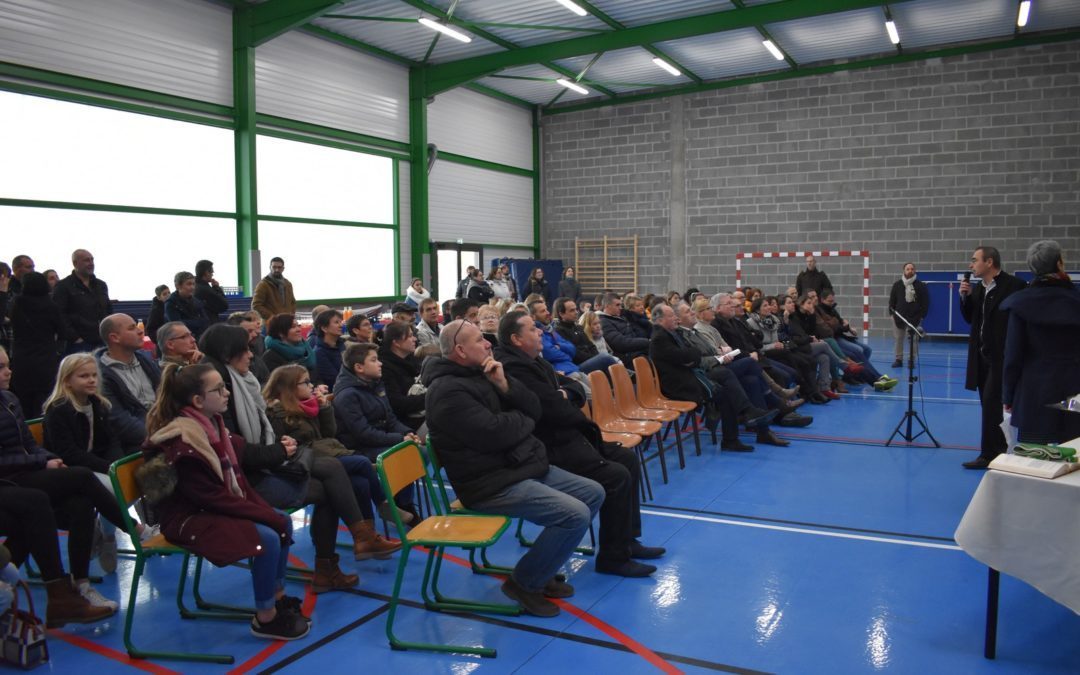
(911, 415)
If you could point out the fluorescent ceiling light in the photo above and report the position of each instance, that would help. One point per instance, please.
(572, 86)
(1022, 15)
(774, 50)
(572, 6)
(893, 35)
(446, 30)
(667, 66)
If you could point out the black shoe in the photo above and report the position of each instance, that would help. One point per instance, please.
(817, 398)
(898, 363)
(979, 462)
(643, 552)
(754, 416)
(284, 626)
(558, 588)
(795, 420)
(736, 446)
(630, 568)
(767, 437)
(291, 605)
(531, 601)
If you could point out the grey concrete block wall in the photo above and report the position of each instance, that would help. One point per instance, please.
(920, 161)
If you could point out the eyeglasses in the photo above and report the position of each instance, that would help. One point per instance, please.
(220, 389)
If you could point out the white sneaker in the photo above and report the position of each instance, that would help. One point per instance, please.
(149, 532)
(91, 595)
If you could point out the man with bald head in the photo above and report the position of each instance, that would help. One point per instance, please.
(480, 424)
(129, 378)
(83, 300)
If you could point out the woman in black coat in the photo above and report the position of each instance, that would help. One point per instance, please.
(400, 373)
(569, 286)
(538, 284)
(35, 353)
(1042, 352)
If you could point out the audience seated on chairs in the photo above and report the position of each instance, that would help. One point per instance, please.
(177, 344)
(800, 326)
(591, 327)
(206, 505)
(37, 331)
(274, 293)
(620, 337)
(299, 409)
(285, 344)
(465, 308)
(574, 444)
(481, 425)
(359, 329)
(312, 336)
(587, 355)
(251, 322)
(74, 493)
(209, 291)
(28, 522)
(636, 313)
(329, 347)
(327, 485)
(129, 379)
(766, 322)
(401, 373)
(487, 318)
(183, 306)
(558, 351)
(427, 330)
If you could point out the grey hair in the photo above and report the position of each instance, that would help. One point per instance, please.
(659, 310)
(165, 333)
(448, 337)
(1043, 256)
(715, 300)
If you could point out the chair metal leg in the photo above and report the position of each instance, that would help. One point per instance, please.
(660, 450)
(211, 609)
(443, 603)
(678, 444)
(692, 418)
(485, 566)
(644, 483)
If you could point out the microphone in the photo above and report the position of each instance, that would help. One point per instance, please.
(967, 277)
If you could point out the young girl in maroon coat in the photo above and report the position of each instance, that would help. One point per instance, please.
(204, 502)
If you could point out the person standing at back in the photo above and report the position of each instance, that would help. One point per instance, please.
(911, 298)
(209, 291)
(83, 300)
(811, 278)
(981, 307)
(274, 294)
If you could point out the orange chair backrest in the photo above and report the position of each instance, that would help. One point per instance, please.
(625, 402)
(647, 389)
(586, 410)
(603, 405)
(37, 430)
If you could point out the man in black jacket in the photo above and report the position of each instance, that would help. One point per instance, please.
(129, 379)
(480, 423)
(911, 298)
(618, 333)
(811, 278)
(209, 292)
(575, 444)
(83, 300)
(986, 345)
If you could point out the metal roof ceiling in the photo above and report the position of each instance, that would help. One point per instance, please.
(822, 32)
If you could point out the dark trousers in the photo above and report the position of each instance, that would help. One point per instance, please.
(26, 518)
(618, 510)
(74, 493)
(805, 367)
(732, 398)
(993, 438)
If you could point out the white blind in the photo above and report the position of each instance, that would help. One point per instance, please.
(479, 205)
(467, 123)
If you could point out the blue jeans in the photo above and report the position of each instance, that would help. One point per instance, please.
(860, 354)
(598, 362)
(563, 503)
(365, 483)
(268, 568)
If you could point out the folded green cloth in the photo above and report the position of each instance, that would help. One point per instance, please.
(1052, 453)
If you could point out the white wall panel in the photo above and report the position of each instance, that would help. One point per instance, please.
(306, 78)
(405, 224)
(479, 205)
(180, 47)
(491, 253)
(467, 123)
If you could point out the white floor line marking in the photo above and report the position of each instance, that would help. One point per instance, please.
(799, 530)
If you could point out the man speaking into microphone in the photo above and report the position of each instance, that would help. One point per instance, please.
(981, 307)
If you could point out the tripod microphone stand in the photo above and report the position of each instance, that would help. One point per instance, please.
(911, 416)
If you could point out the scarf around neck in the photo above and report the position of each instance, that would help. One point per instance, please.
(300, 353)
(219, 441)
(909, 287)
(250, 408)
(310, 407)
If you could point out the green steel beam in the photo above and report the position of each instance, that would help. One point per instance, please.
(490, 37)
(85, 206)
(577, 78)
(357, 17)
(326, 221)
(435, 40)
(418, 175)
(357, 45)
(247, 232)
(485, 164)
(254, 25)
(768, 36)
(536, 181)
(397, 228)
(805, 71)
(448, 75)
(468, 24)
(330, 132)
(500, 95)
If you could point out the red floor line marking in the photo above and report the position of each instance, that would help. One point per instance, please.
(109, 653)
(271, 649)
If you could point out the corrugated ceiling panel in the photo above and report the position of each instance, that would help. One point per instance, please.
(1053, 14)
(624, 70)
(729, 54)
(477, 205)
(923, 23)
(528, 90)
(471, 124)
(303, 77)
(833, 36)
(641, 12)
(405, 223)
(527, 12)
(183, 47)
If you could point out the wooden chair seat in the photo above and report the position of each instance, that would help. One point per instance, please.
(458, 530)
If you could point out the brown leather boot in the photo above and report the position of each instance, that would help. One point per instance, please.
(66, 605)
(329, 577)
(367, 543)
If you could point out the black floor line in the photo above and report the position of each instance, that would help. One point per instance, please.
(495, 621)
(782, 521)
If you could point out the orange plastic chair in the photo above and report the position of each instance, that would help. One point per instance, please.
(607, 418)
(626, 440)
(648, 393)
(627, 404)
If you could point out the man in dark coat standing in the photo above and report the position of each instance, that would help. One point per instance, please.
(83, 300)
(209, 291)
(811, 278)
(911, 298)
(1042, 352)
(575, 444)
(981, 307)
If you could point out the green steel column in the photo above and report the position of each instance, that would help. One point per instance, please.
(247, 232)
(418, 175)
(536, 181)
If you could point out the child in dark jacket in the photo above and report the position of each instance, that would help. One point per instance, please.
(193, 475)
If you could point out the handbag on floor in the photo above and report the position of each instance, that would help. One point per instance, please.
(23, 633)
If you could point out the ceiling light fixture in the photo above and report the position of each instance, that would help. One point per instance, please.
(572, 6)
(1022, 15)
(667, 66)
(894, 37)
(445, 30)
(774, 50)
(572, 86)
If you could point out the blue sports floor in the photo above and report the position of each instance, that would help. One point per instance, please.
(834, 555)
